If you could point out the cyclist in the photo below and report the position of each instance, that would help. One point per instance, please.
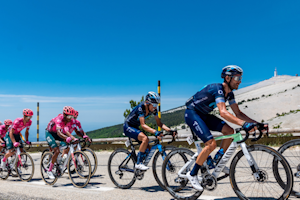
(201, 122)
(59, 129)
(12, 137)
(3, 130)
(137, 118)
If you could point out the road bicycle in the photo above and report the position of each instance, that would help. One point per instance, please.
(77, 163)
(19, 164)
(251, 172)
(121, 163)
(291, 151)
(84, 146)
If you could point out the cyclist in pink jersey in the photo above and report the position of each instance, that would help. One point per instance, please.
(59, 129)
(3, 129)
(13, 138)
(78, 128)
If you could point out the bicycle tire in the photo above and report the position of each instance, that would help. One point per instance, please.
(94, 160)
(290, 151)
(131, 170)
(259, 153)
(45, 162)
(4, 173)
(80, 168)
(156, 168)
(25, 163)
(178, 191)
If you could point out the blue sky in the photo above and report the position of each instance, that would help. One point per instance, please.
(98, 55)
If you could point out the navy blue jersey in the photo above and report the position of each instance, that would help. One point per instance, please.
(133, 119)
(208, 97)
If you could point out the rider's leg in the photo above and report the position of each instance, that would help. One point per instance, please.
(142, 150)
(226, 130)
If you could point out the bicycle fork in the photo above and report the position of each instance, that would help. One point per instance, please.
(251, 161)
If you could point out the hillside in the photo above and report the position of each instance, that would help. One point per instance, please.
(275, 101)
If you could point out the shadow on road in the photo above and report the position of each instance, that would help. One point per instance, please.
(152, 189)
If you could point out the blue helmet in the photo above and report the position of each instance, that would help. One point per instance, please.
(152, 97)
(231, 70)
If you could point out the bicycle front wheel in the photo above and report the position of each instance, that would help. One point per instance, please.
(24, 167)
(157, 164)
(263, 183)
(93, 159)
(4, 173)
(44, 167)
(81, 163)
(291, 152)
(179, 188)
(121, 168)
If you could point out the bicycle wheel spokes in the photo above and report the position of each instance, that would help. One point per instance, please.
(93, 159)
(44, 166)
(179, 188)
(264, 183)
(80, 162)
(4, 173)
(291, 152)
(121, 168)
(24, 166)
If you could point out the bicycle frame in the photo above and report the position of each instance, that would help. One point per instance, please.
(225, 158)
(71, 152)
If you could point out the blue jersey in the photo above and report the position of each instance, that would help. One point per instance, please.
(208, 97)
(133, 119)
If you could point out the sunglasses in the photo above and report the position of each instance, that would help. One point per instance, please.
(28, 117)
(70, 116)
(237, 78)
(154, 105)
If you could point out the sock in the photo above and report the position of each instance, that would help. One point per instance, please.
(4, 159)
(50, 168)
(195, 170)
(140, 157)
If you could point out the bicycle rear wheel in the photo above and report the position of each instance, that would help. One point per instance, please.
(25, 167)
(291, 152)
(44, 166)
(82, 166)
(93, 159)
(121, 168)
(157, 164)
(4, 173)
(265, 184)
(179, 188)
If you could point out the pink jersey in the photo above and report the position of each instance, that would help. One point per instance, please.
(18, 125)
(3, 131)
(58, 124)
(75, 125)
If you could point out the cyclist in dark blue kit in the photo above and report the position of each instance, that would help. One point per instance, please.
(137, 118)
(201, 122)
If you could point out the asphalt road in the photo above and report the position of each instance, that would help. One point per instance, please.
(100, 187)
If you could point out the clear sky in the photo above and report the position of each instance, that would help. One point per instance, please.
(98, 55)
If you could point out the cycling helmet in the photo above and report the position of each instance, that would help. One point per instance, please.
(8, 122)
(231, 70)
(75, 113)
(68, 110)
(27, 112)
(152, 97)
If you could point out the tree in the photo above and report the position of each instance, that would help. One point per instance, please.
(133, 104)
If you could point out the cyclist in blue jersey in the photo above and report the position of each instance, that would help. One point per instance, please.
(137, 118)
(201, 122)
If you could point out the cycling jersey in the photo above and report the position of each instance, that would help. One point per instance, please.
(57, 123)
(208, 97)
(76, 125)
(2, 131)
(18, 125)
(133, 119)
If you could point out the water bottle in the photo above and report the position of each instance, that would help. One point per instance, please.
(210, 162)
(218, 156)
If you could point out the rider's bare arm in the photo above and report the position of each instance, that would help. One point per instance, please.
(145, 126)
(228, 116)
(26, 134)
(79, 133)
(60, 134)
(160, 124)
(240, 114)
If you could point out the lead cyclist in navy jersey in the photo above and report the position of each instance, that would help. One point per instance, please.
(137, 118)
(201, 122)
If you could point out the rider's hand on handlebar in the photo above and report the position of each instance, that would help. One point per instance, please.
(27, 142)
(158, 134)
(174, 132)
(250, 126)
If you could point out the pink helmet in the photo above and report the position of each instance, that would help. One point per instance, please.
(75, 113)
(27, 112)
(8, 122)
(68, 110)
